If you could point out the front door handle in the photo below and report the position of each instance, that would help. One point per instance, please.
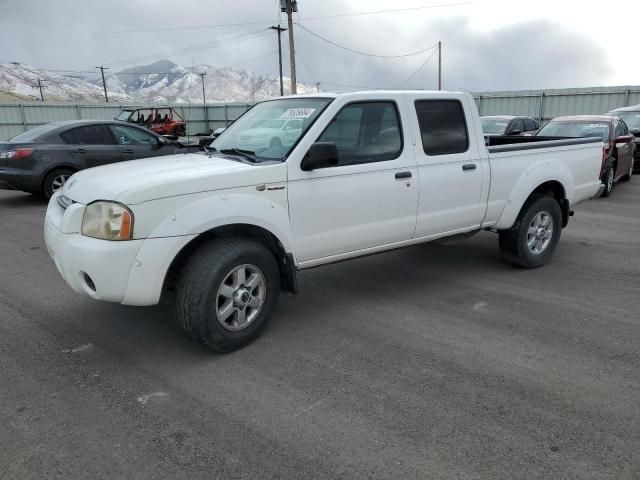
(128, 151)
(80, 150)
(401, 175)
(468, 167)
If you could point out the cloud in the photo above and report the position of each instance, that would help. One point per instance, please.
(526, 55)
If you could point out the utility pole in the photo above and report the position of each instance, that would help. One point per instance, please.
(104, 82)
(318, 86)
(41, 87)
(204, 101)
(290, 6)
(279, 30)
(439, 65)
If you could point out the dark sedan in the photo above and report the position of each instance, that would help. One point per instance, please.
(40, 160)
(631, 116)
(509, 125)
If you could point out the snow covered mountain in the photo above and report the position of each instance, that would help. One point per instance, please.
(159, 82)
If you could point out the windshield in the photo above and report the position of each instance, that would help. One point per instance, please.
(270, 129)
(494, 126)
(33, 134)
(124, 115)
(575, 129)
(632, 119)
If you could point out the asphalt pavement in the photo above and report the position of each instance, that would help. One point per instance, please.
(431, 362)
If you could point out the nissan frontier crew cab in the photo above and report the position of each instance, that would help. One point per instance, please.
(223, 232)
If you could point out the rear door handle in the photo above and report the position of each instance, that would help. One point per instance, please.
(80, 150)
(401, 175)
(128, 151)
(469, 166)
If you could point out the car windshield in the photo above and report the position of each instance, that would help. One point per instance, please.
(266, 132)
(632, 119)
(575, 129)
(33, 134)
(494, 126)
(124, 115)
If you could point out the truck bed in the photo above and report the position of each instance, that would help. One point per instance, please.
(508, 143)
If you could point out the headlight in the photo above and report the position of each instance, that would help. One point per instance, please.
(107, 221)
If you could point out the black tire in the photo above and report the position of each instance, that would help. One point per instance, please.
(629, 174)
(514, 242)
(198, 292)
(179, 131)
(608, 180)
(51, 181)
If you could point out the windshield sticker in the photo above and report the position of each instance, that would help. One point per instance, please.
(597, 125)
(298, 113)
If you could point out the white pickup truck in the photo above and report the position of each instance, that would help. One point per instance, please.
(224, 232)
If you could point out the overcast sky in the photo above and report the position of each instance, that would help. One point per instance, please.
(487, 44)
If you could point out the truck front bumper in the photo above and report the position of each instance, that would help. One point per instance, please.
(129, 272)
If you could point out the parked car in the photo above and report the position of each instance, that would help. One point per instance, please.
(509, 125)
(631, 116)
(201, 140)
(619, 147)
(41, 160)
(271, 133)
(223, 233)
(161, 120)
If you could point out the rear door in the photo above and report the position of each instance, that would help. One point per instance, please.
(134, 143)
(451, 170)
(91, 145)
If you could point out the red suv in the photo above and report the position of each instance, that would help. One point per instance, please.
(619, 147)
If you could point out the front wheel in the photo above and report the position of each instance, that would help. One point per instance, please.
(608, 180)
(534, 236)
(226, 293)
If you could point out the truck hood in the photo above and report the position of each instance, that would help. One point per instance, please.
(138, 181)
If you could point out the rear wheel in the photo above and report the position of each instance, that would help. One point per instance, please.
(179, 131)
(608, 180)
(226, 293)
(534, 236)
(629, 174)
(55, 180)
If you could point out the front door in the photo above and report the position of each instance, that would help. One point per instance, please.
(134, 143)
(369, 198)
(451, 170)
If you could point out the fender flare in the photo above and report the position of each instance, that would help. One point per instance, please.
(535, 176)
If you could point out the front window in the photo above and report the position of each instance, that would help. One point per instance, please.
(575, 130)
(265, 133)
(124, 115)
(494, 126)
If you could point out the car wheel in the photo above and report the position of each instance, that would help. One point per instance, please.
(55, 180)
(534, 236)
(226, 292)
(608, 180)
(179, 131)
(629, 174)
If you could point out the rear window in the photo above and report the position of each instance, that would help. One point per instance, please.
(88, 135)
(442, 127)
(530, 124)
(35, 133)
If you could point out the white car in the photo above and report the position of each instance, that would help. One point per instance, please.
(272, 133)
(224, 232)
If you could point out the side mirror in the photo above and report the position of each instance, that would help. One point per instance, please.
(516, 132)
(624, 139)
(320, 155)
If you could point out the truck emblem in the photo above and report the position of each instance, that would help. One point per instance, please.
(261, 188)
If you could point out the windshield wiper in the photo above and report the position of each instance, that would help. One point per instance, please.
(248, 154)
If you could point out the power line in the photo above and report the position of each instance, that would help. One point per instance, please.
(419, 69)
(365, 53)
(260, 22)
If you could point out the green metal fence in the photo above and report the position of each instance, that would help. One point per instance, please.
(16, 118)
